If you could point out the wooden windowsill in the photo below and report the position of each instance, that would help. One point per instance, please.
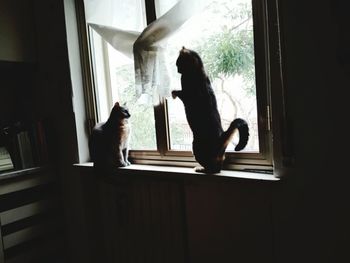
(185, 172)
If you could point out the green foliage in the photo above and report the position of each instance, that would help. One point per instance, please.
(226, 54)
(177, 134)
(231, 51)
(143, 127)
(142, 116)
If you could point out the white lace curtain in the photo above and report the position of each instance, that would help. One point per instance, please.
(146, 46)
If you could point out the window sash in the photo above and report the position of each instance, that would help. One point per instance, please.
(261, 160)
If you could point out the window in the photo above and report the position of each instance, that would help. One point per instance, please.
(233, 38)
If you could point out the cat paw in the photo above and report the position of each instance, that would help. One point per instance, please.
(127, 163)
(199, 169)
(174, 94)
(121, 164)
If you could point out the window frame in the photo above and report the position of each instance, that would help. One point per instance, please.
(269, 87)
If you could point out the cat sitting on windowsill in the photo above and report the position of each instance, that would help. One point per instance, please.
(109, 141)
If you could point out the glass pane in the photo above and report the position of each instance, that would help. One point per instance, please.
(114, 74)
(163, 6)
(126, 15)
(103, 104)
(122, 75)
(222, 34)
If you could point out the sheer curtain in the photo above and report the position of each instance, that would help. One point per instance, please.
(145, 45)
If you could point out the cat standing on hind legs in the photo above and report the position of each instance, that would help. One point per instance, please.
(109, 141)
(209, 139)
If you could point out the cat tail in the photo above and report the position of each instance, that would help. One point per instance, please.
(243, 129)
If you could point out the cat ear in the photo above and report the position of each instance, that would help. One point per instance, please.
(116, 104)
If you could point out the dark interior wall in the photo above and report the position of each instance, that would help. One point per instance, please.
(35, 84)
(16, 100)
(229, 220)
(18, 31)
(53, 83)
(17, 56)
(310, 213)
(53, 89)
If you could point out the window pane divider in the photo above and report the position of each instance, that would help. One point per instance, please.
(160, 115)
(107, 72)
(86, 61)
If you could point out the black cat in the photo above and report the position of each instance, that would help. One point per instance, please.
(109, 141)
(209, 139)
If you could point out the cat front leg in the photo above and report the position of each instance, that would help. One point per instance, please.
(126, 155)
(176, 93)
(120, 159)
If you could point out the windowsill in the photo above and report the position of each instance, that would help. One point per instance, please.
(185, 172)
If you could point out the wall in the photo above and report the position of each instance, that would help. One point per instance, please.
(310, 209)
(36, 82)
(17, 57)
(53, 88)
(17, 31)
(16, 100)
